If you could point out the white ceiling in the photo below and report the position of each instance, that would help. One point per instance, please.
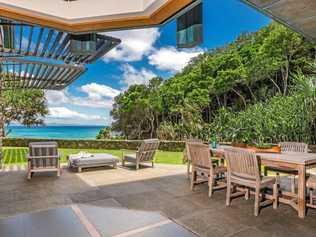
(86, 9)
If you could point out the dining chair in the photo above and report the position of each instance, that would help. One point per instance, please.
(203, 168)
(243, 169)
(186, 155)
(298, 147)
(311, 186)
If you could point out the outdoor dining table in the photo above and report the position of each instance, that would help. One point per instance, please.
(298, 161)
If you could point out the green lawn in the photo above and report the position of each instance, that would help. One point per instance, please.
(16, 155)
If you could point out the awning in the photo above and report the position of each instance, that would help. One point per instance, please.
(38, 57)
(17, 73)
(300, 15)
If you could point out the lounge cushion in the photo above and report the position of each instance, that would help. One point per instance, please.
(94, 159)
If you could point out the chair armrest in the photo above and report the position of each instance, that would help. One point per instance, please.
(41, 157)
(124, 151)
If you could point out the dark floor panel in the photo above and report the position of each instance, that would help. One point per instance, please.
(60, 222)
(113, 221)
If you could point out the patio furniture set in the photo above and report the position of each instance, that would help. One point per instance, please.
(44, 156)
(238, 170)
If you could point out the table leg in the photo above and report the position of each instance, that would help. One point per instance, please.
(301, 191)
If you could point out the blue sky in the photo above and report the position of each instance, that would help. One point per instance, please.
(143, 54)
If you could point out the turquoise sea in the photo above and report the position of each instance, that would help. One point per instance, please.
(55, 132)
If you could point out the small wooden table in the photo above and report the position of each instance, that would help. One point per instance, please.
(297, 161)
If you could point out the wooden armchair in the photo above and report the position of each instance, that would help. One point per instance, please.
(186, 155)
(298, 147)
(203, 169)
(43, 157)
(243, 169)
(144, 154)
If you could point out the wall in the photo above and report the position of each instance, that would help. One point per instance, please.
(95, 144)
(103, 144)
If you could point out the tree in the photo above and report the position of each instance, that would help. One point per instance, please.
(249, 71)
(105, 133)
(27, 107)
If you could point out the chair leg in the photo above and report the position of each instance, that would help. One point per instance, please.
(137, 166)
(29, 175)
(275, 195)
(210, 185)
(257, 201)
(228, 193)
(265, 171)
(293, 183)
(278, 178)
(193, 176)
(152, 164)
(247, 194)
(123, 162)
(188, 169)
(311, 196)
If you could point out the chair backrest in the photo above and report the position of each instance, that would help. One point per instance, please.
(187, 141)
(40, 149)
(43, 154)
(147, 149)
(200, 154)
(293, 147)
(242, 164)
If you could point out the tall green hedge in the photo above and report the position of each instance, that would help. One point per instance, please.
(95, 144)
(282, 118)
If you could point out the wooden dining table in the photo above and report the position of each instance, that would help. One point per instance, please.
(297, 161)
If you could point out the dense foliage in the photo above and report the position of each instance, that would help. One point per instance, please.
(27, 107)
(248, 85)
(104, 133)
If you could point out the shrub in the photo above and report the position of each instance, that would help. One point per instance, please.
(282, 118)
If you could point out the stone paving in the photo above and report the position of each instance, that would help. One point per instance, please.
(164, 188)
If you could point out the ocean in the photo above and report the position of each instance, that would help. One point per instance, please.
(54, 132)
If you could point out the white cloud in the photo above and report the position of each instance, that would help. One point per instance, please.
(66, 108)
(57, 97)
(63, 115)
(97, 91)
(96, 96)
(63, 112)
(134, 46)
(132, 76)
(171, 59)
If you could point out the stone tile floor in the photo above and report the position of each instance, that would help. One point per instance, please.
(164, 188)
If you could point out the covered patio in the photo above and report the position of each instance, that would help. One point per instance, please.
(124, 201)
(164, 190)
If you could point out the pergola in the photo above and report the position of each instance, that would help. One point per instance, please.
(38, 57)
(41, 58)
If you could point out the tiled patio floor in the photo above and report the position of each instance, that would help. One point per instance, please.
(164, 189)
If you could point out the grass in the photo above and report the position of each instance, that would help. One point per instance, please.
(16, 155)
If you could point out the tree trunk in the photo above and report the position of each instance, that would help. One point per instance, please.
(285, 75)
(251, 93)
(275, 84)
(241, 96)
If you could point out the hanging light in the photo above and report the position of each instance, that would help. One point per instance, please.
(189, 27)
(83, 44)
